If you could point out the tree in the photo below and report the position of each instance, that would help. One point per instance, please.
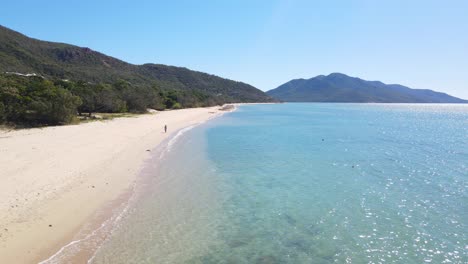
(49, 104)
(35, 101)
(2, 113)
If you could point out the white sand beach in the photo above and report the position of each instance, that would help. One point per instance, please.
(53, 179)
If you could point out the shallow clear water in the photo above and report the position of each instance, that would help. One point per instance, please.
(306, 183)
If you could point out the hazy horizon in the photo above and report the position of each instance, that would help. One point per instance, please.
(420, 44)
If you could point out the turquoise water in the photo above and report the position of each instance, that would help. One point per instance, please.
(305, 183)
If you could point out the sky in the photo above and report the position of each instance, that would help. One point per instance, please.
(420, 44)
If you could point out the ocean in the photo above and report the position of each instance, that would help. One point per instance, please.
(304, 183)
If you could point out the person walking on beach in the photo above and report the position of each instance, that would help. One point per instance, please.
(165, 128)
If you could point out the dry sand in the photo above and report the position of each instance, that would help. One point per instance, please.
(52, 180)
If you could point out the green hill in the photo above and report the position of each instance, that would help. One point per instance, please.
(338, 87)
(104, 83)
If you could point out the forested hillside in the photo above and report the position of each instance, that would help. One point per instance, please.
(37, 75)
(338, 87)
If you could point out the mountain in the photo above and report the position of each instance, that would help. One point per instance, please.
(21, 54)
(338, 87)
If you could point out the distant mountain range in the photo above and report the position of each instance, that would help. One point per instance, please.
(338, 87)
(24, 55)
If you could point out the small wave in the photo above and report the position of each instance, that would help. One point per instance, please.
(114, 224)
(173, 140)
(112, 220)
(110, 223)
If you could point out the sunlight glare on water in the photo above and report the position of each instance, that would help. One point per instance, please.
(307, 183)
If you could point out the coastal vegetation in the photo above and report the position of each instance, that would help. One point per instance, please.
(34, 100)
(48, 83)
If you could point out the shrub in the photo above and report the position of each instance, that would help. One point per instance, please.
(35, 101)
(2, 113)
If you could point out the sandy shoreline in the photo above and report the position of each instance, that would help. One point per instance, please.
(54, 179)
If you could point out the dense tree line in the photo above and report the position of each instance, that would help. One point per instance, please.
(34, 100)
(160, 86)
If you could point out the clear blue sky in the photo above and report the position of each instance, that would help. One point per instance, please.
(422, 44)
